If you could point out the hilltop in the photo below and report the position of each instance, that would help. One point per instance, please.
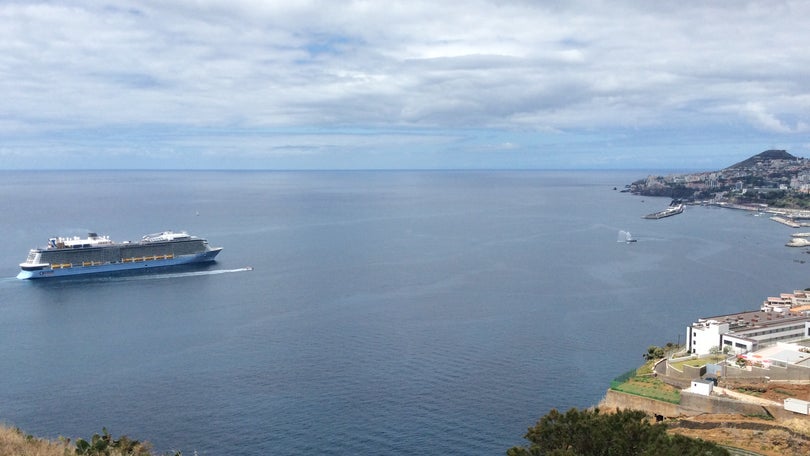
(773, 178)
(763, 159)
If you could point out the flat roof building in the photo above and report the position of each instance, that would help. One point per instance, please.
(776, 321)
(702, 387)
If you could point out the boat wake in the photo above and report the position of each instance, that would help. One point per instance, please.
(175, 275)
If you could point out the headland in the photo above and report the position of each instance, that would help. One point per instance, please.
(773, 179)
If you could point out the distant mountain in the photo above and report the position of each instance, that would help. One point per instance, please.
(763, 158)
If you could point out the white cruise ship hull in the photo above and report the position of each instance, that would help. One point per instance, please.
(119, 267)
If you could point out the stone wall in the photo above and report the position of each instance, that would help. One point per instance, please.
(688, 374)
(619, 400)
(675, 377)
(789, 373)
(691, 405)
(695, 404)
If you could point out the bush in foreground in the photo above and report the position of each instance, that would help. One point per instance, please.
(105, 445)
(15, 442)
(590, 433)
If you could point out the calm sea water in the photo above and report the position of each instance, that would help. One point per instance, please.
(387, 313)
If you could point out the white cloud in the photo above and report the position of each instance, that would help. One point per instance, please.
(573, 66)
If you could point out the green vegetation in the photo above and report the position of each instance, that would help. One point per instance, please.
(777, 198)
(761, 416)
(645, 369)
(643, 382)
(783, 392)
(717, 356)
(106, 445)
(591, 433)
(654, 352)
(648, 386)
(751, 390)
(697, 362)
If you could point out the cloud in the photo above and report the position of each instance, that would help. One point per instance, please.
(504, 65)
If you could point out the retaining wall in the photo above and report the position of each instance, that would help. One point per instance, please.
(691, 405)
(619, 400)
(697, 404)
(790, 373)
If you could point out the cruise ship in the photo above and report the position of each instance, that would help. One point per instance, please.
(98, 254)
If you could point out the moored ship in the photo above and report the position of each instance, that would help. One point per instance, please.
(675, 208)
(98, 254)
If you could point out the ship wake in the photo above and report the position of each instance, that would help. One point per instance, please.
(175, 275)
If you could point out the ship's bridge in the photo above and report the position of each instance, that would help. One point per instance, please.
(166, 236)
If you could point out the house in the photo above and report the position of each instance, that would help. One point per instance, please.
(702, 387)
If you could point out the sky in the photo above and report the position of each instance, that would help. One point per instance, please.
(306, 84)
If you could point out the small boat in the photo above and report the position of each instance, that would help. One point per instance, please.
(798, 242)
(626, 237)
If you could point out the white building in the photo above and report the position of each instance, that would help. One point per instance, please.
(798, 406)
(707, 333)
(787, 301)
(746, 331)
(702, 387)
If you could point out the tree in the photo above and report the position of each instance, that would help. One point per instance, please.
(716, 353)
(591, 433)
(654, 352)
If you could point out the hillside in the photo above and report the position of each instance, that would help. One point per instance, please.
(773, 178)
(763, 158)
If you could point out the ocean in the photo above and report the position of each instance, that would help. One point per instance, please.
(386, 312)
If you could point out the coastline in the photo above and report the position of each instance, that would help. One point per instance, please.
(785, 216)
(743, 415)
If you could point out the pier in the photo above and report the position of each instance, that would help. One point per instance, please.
(785, 221)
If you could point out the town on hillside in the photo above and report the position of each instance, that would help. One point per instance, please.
(771, 179)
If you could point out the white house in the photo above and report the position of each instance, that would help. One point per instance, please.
(702, 387)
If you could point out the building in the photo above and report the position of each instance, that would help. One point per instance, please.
(702, 387)
(798, 406)
(787, 301)
(780, 319)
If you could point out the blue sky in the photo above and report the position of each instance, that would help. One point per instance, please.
(240, 84)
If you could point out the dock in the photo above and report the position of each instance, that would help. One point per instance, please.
(673, 209)
(785, 221)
